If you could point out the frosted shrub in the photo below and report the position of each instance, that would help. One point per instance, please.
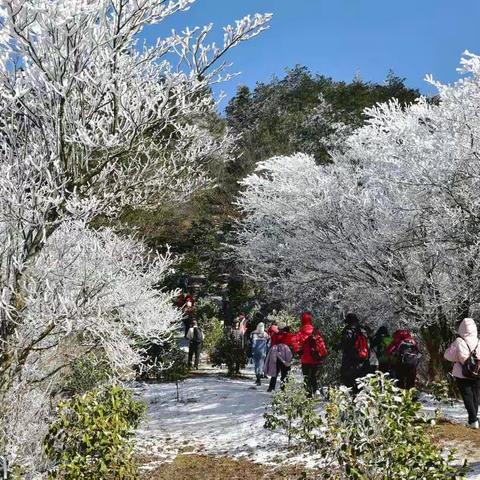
(376, 435)
(379, 435)
(284, 316)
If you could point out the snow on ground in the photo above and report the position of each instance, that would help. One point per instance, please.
(221, 416)
(216, 415)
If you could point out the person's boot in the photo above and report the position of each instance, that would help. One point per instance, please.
(258, 382)
(474, 425)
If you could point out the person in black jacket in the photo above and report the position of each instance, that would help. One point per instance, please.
(353, 366)
(195, 338)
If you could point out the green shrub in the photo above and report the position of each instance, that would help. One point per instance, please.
(229, 352)
(292, 412)
(375, 435)
(91, 438)
(172, 364)
(441, 390)
(284, 316)
(88, 372)
(213, 331)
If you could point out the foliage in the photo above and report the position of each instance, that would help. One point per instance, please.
(382, 230)
(213, 330)
(293, 412)
(301, 112)
(88, 372)
(93, 123)
(441, 390)
(376, 435)
(90, 439)
(286, 318)
(171, 364)
(229, 352)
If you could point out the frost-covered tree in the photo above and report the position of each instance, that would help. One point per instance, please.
(391, 227)
(91, 121)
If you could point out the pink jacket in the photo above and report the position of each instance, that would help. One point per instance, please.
(278, 352)
(458, 351)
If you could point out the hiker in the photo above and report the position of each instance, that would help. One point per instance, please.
(355, 353)
(313, 350)
(279, 357)
(379, 344)
(273, 329)
(259, 341)
(404, 356)
(195, 338)
(459, 352)
(187, 308)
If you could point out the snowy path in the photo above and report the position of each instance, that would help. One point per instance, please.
(216, 415)
(221, 416)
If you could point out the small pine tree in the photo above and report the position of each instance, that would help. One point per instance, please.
(229, 352)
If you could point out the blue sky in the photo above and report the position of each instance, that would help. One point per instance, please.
(338, 38)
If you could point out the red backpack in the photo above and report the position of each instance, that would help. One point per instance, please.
(361, 346)
(317, 346)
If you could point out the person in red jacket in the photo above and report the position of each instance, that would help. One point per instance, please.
(405, 356)
(313, 350)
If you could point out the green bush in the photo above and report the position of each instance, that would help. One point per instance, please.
(229, 352)
(292, 412)
(88, 372)
(213, 331)
(172, 364)
(92, 436)
(375, 435)
(441, 390)
(379, 434)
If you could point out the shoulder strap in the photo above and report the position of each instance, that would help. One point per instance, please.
(468, 346)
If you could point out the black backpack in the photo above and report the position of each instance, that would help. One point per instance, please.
(408, 353)
(471, 366)
(197, 335)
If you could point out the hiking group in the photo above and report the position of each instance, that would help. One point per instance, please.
(273, 349)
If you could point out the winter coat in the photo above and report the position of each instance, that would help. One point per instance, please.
(289, 339)
(195, 337)
(272, 330)
(279, 352)
(303, 341)
(352, 367)
(259, 342)
(458, 352)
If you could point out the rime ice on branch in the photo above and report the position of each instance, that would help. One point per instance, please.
(91, 121)
(391, 227)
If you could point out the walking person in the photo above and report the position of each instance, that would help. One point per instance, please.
(459, 352)
(379, 344)
(279, 357)
(259, 343)
(195, 338)
(404, 357)
(313, 350)
(355, 353)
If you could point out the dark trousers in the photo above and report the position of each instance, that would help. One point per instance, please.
(283, 371)
(406, 376)
(310, 378)
(470, 390)
(194, 349)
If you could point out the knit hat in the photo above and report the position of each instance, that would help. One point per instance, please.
(260, 327)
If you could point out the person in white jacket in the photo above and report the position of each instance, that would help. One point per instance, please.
(458, 352)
